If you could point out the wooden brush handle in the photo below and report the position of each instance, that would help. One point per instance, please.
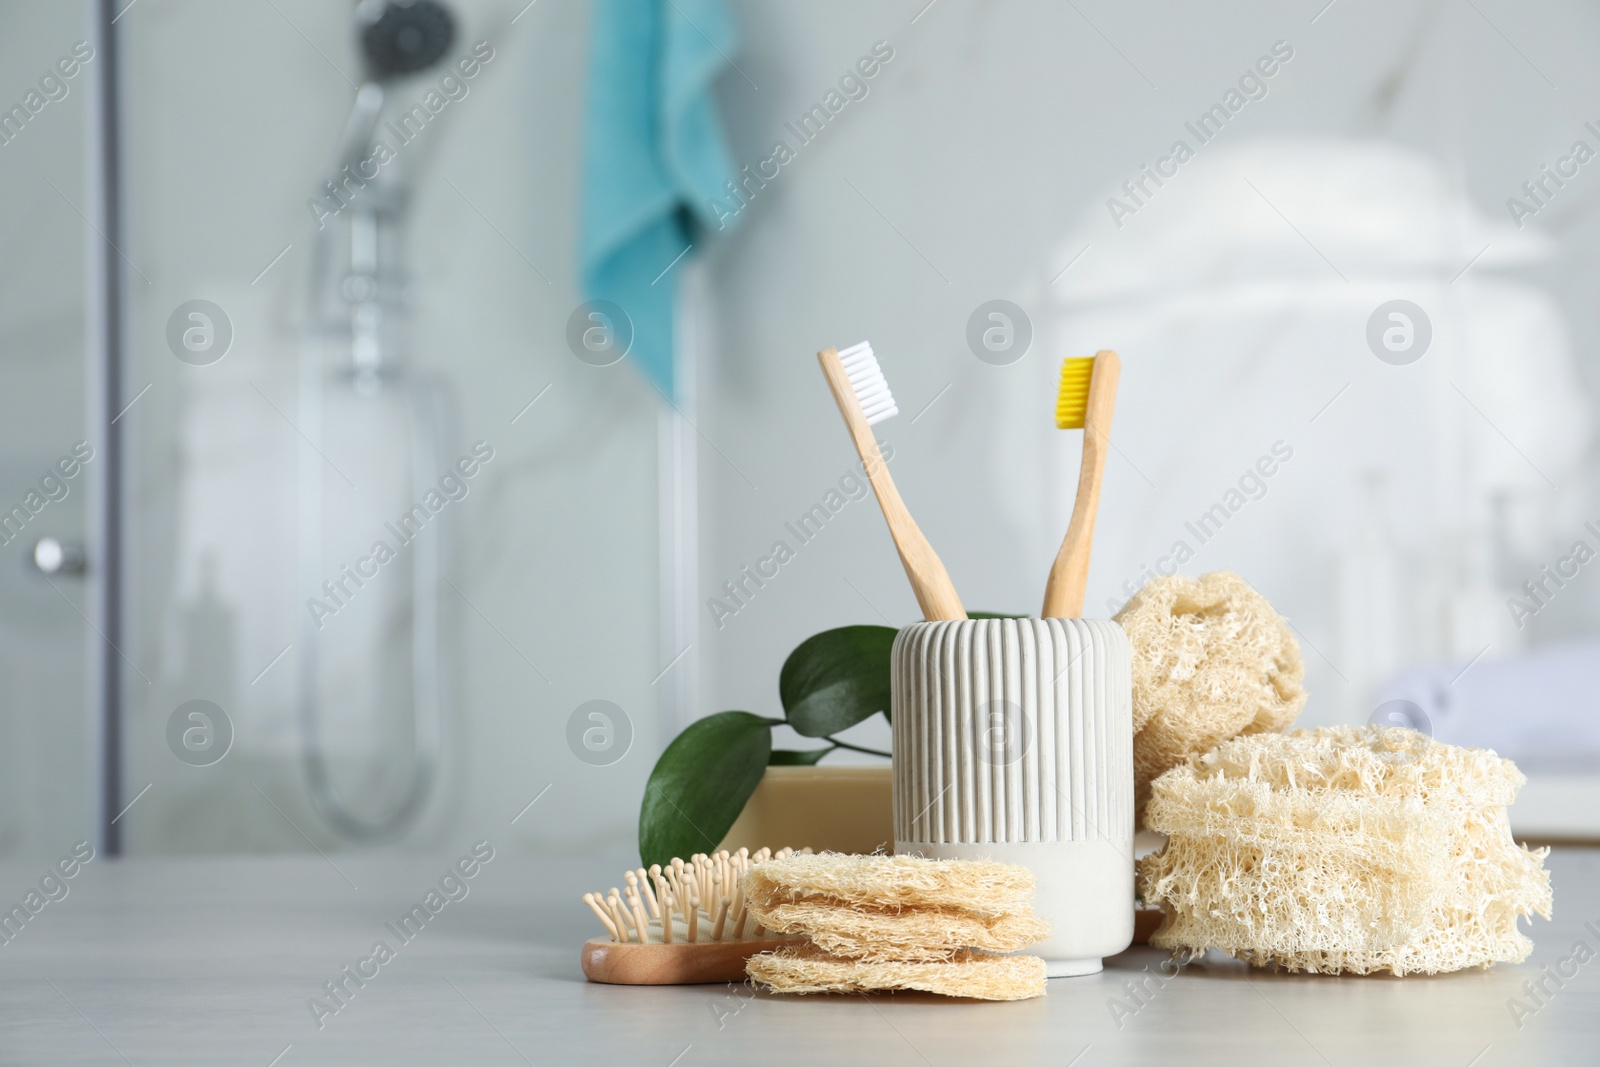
(936, 595)
(680, 963)
(1063, 594)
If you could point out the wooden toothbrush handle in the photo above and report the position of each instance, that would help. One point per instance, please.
(1069, 576)
(936, 594)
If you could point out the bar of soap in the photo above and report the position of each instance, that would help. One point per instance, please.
(1343, 850)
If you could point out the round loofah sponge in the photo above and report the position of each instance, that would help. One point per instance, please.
(890, 883)
(1211, 660)
(896, 908)
(1344, 849)
(902, 934)
(807, 969)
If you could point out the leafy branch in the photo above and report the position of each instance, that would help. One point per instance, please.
(831, 682)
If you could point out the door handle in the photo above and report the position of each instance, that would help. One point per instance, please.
(50, 556)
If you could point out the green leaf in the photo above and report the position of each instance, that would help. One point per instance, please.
(836, 678)
(701, 783)
(791, 757)
(993, 615)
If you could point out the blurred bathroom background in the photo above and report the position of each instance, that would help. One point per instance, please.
(1415, 486)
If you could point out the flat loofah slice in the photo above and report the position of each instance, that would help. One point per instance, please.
(807, 969)
(1211, 660)
(907, 934)
(889, 883)
(1344, 849)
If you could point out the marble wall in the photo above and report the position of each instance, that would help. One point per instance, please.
(974, 165)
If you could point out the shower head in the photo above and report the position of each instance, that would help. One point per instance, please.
(400, 37)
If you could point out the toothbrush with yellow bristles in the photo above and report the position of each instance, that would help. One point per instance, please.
(1085, 400)
(862, 393)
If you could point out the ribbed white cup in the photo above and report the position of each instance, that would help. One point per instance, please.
(1013, 741)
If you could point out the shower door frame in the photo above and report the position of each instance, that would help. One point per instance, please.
(107, 303)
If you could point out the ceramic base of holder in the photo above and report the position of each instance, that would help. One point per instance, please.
(1013, 742)
(1085, 893)
(1071, 968)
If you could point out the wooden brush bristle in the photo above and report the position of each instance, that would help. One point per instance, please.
(682, 902)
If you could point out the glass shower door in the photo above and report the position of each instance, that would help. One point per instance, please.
(50, 461)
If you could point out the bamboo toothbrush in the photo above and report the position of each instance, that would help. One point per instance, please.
(1087, 396)
(679, 923)
(863, 397)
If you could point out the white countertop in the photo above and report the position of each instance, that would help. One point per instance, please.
(213, 962)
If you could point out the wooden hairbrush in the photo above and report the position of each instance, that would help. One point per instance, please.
(679, 923)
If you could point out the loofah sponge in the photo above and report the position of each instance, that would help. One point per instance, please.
(1211, 660)
(908, 934)
(890, 882)
(807, 969)
(897, 922)
(1346, 849)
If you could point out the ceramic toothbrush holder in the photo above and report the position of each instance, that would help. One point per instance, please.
(1013, 741)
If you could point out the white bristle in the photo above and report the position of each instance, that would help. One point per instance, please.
(866, 378)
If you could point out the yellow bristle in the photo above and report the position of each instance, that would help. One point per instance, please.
(1072, 401)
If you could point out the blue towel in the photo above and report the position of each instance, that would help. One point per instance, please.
(655, 166)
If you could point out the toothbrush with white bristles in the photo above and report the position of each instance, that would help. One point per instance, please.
(863, 396)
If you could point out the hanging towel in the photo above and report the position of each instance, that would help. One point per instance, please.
(655, 167)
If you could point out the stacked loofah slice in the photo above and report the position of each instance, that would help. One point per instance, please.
(1347, 849)
(808, 969)
(897, 922)
(1211, 660)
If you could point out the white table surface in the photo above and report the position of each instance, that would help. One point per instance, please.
(213, 962)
